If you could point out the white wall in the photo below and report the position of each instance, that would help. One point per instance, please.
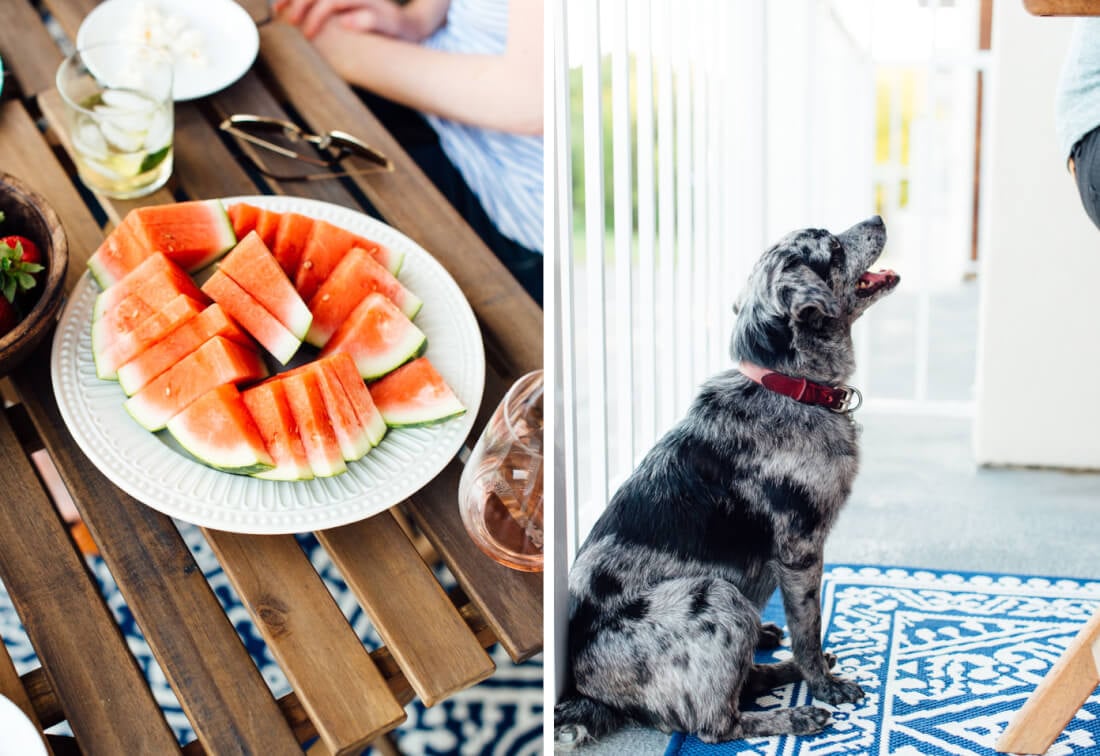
(1039, 336)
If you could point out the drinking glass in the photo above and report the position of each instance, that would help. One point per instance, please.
(500, 492)
(118, 112)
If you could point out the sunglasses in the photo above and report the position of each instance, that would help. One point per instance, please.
(288, 146)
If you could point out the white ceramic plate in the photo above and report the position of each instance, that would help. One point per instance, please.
(19, 736)
(226, 35)
(153, 469)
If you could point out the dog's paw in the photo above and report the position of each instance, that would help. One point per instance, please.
(809, 720)
(770, 636)
(833, 690)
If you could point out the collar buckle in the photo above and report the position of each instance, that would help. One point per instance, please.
(848, 395)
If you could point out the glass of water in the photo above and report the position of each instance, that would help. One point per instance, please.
(118, 112)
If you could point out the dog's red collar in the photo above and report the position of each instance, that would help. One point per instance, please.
(835, 398)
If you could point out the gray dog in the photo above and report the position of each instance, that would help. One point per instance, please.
(666, 592)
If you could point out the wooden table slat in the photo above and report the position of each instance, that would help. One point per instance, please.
(345, 695)
(510, 600)
(69, 13)
(196, 147)
(510, 319)
(29, 52)
(414, 617)
(81, 648)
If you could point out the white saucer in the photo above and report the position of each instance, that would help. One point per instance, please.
(228, 36)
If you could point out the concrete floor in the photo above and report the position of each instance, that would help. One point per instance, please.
(920, 501)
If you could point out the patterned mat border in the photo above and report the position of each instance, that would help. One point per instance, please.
(1078, 597)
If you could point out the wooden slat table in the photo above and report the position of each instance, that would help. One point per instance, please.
(343, 695)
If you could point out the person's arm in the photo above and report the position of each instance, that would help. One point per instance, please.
(413, 21)
(501, 92)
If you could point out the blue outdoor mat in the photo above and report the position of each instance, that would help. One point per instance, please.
(945, 660)
(500, 717)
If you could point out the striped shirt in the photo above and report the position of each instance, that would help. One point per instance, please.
(503, 170)
(1078, 100)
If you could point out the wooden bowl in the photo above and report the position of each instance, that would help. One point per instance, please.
(27, 214)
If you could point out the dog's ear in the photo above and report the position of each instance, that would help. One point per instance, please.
(811, 301)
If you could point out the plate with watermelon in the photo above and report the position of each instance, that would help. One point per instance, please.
(266, 364)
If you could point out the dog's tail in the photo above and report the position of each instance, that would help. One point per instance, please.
(579, 719)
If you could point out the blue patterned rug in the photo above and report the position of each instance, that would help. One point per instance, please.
(500, 717)
(945, 660)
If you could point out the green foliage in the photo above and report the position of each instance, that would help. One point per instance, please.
(576, 125)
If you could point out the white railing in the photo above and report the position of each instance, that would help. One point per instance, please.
(706, 129)
(645, 303)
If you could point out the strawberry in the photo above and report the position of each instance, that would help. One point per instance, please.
(20, 260)
(30, 249)
(8, 316)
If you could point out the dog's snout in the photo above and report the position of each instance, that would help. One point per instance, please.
(876, 220)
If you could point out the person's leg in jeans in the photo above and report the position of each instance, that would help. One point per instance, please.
(419, 140)
(1086, 164)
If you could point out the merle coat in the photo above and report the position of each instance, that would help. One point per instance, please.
(737, 499)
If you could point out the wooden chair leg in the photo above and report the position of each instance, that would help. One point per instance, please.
(1058, 696)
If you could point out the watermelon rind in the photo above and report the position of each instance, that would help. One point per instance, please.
(413, 417)
(414, 395)
(352, 437)
(239, 459)
(405, 341)
(286, 472)
(103, 278)
(279, 432)
(376, 429)
(218, 430)
(319, 439)
(409, 348)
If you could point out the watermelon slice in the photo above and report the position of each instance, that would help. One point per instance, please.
(326, 246)
(110, 354)
(120, 252)
(343, 367)
(218, 430)
(243, 217)
(303, 394)
(217, 361)
(378, 337)
(122, 319)
(354, 277)
(415, 394)
(290, 241)
(353, 438)
(269, 408)
(255, 269)
(386, 257)
(192, 234)
(253, 317)
(267, 226)
(176, 345)
(157, 280)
